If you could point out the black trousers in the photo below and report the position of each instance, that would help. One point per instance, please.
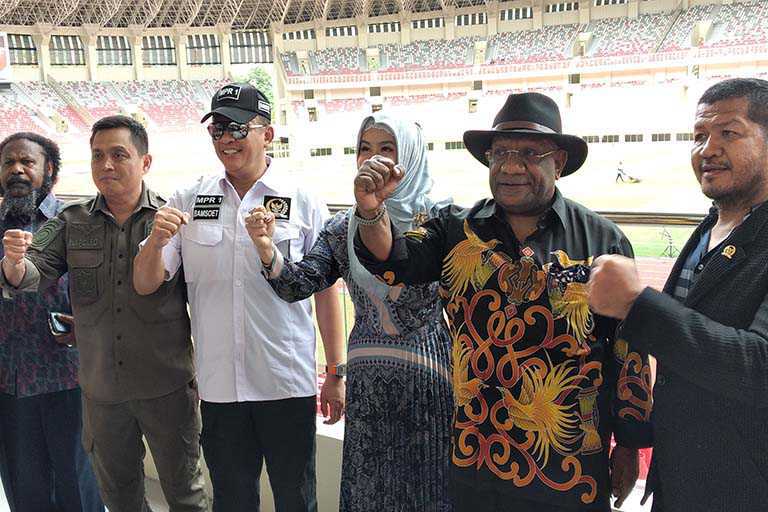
(239, 437)
(44, 466)
(469, 498)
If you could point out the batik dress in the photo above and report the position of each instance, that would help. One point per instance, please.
(398, 401)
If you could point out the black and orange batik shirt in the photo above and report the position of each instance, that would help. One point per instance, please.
(539, 382)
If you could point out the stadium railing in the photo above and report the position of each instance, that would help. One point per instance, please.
(637, 218)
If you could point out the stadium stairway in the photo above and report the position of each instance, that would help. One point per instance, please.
(85, 117)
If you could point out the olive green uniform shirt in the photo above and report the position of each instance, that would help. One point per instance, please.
(131, 346)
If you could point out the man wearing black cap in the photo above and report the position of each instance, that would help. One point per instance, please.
(255, 354)
(540, 383)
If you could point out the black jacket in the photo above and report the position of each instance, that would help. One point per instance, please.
(710, 413)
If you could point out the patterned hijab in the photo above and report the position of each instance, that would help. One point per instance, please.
(410, 198)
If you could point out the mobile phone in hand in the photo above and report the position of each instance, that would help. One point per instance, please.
(57, 325)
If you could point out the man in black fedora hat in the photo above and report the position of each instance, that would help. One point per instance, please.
(540, 383)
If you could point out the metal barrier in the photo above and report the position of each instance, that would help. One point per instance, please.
(640, 218)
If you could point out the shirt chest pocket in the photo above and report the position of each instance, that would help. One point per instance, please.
(85, 269)
(289, 241)
(203, 252)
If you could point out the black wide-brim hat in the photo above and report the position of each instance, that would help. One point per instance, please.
(529, 114)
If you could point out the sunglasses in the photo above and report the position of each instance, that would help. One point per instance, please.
(236, 130)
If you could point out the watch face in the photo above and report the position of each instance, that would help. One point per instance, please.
(340, 370)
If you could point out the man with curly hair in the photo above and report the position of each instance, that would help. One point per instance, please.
(44, 466)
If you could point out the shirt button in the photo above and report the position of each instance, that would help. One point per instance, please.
(700, 266)
(120, 256)
(660, 380)
(238, 283)
(119, 283)
(119, 337)
(119, 363)
(118, 310)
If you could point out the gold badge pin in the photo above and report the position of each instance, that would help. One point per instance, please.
(729, 251)
(419, 219)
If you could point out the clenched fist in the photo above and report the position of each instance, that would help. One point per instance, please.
(260, 225)
(15, 244)
(376, 179)
(613, 285)
(167, 223)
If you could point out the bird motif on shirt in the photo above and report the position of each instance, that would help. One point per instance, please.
(539, 409)
(567, 290)
(464, 389)
(470, 261)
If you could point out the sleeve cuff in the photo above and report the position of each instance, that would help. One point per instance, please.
(28, 283)
(277, 266)
(170, 257)
(399, 251)
(633, 435)
(636, 318)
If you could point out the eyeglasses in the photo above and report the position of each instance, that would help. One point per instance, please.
(236, 130)
(528, 156)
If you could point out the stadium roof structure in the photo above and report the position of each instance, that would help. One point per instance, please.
(237, 14)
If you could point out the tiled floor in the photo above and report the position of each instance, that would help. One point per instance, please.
(158, 503)
(156, 500)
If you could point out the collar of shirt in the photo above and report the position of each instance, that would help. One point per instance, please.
(49, 206)
(147, 199)
(556, 211)
(714, 211)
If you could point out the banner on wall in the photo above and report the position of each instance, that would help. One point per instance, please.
(5, 58)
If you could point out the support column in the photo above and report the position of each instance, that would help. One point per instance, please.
(493, 18)
(89, 33)
(633, 9)
(362, 31)
(179, 34)
(135, 34)
(321, 41)
(224, 32)
(405, 27)
(450, 22)
(538, 14)
(42, 38)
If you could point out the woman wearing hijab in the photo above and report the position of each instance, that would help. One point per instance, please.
(399, 402)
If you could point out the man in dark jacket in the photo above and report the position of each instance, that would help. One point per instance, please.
(709, 329)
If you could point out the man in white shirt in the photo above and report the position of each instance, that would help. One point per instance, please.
(255, 353)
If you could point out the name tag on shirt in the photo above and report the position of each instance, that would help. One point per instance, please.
(280, 207)
(207, 207)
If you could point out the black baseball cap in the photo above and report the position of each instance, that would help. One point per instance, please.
(240, 103)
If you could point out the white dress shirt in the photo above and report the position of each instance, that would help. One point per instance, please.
(250, 345)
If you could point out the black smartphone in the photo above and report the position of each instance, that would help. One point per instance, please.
(58, 326)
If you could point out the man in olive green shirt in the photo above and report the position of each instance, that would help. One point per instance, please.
(136, 368)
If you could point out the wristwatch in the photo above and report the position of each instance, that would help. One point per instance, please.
(339, 369)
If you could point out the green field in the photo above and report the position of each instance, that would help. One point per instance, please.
(652, 242)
